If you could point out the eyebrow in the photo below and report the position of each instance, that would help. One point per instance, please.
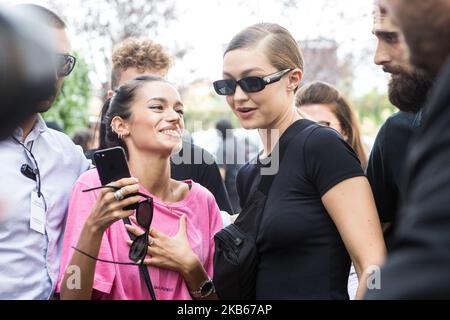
(245, 72)
(164, 100)
(385, 33)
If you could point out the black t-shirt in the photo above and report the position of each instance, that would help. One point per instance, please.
(229, 157)
(199, 165)
(387, 164)
(302, 255)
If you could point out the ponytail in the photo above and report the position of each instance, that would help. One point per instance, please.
(103, 124)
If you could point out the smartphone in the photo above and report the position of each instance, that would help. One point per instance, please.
(111, 164)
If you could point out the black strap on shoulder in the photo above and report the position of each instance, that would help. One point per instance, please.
(280, 151)
(142, 268)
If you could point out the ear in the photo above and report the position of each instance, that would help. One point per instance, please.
(110, 93)
(120, 127)
(295, 76)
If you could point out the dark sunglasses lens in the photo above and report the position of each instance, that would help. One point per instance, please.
(225, 87)
(138, 248)
(144, 213)
(252, 84)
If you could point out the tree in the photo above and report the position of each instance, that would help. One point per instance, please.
(70, 109)
(373, 108)
(101, 24)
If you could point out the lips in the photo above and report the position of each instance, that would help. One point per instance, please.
(245, 113)
(171, 131)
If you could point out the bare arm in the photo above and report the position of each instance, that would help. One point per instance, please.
(351, 206)
(105, 212)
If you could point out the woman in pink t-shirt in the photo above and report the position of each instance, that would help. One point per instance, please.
(145, 117)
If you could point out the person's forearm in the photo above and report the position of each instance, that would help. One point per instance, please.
(89, 242)
(195, 275)
(363, 272)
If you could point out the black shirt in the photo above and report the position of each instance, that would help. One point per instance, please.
(199, 165)
(229, 157)
(387, 164)
(418, 266)
(302, 255)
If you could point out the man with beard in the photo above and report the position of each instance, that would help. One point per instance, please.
(418, 266)
(408, 89)
(39, 168)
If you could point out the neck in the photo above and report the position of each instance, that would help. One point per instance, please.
(153, 172)
(270, 136)
(28, 125)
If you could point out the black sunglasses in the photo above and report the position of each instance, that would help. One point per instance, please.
(227, 87)
(65, 63)
(144, 217)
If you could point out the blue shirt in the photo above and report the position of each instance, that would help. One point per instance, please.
(29, 260)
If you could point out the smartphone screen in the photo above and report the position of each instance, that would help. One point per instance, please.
(111, 164)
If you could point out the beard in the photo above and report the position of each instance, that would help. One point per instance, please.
(44, 106)
(408, 91)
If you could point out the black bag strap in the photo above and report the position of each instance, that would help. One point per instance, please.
(280, 149)
(142, 268)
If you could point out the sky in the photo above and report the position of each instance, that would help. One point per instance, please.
(205, 26)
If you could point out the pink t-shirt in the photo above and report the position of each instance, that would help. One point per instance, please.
(122, 282)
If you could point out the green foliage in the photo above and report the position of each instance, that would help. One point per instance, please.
(70, 109)
(204, 110)
(373, 109)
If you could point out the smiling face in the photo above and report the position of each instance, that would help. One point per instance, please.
(257, 110)
(156, 121)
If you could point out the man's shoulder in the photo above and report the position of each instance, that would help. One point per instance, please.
(400, 119)
(66, 147)
(61, 138)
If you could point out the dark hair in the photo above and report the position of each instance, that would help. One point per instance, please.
(319, 92)
(83, 138)
(277, 43)
(119, 106)
(47, 16)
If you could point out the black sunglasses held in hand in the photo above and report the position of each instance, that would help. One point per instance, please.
(227, 87)
(65, 63)
(139, 246)
(144, 217)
